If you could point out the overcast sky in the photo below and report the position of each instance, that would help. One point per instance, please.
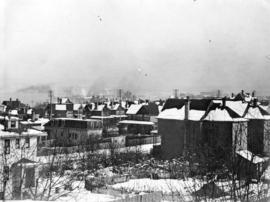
(145, 45)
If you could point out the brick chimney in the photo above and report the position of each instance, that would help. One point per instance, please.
(187, 108)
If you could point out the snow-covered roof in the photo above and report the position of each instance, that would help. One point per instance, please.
(221, 114)
(115, 107)
(40, 121)
(100, 107)
(29, 132)
(29, 111)
(60, 107)
(136, 122)
(255, 113)
(238, 107)
(250, 156)
(9, 118)
(173, 113)
(13, 112)
(160, 108)
(179, 114)
(134, 109)
(76, 107)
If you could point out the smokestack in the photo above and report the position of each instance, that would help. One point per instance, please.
(187, 108)
(218, 93)
(175, 92)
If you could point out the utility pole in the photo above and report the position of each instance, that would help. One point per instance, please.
(50, 95)
(120, 100)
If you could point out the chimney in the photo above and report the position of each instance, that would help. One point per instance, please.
(224, 102)
(255, 102)
(232, 95)
(96, 105)
(33, 115)
(242, 92)
(187, 108)
(254, 93)
(10, 99)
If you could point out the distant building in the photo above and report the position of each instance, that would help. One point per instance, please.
(71, 131)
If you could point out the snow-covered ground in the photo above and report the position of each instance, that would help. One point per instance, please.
(181, 188)
(86, 196)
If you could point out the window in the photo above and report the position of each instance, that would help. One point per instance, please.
(17, 144)
(7, 146)
(27, 142)
(13, 124)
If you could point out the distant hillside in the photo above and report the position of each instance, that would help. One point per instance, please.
(35, 89)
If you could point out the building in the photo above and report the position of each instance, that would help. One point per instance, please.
(71, 131)
(223, 130)
(258, 129)
(179, 125)
(18, 157)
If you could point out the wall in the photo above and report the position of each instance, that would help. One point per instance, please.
(255, 136)
(172, 137)
(14, 156)
(266, 138)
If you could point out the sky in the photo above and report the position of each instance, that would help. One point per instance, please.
(147, 46)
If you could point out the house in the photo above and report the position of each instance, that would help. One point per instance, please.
(78, 110)
(63, 108)
(258, 129)
(16, 108)
(18, 157)
(134, 127)
(138, 112)
(71, 131)
(179, 125)
(250, 165)
(100, 110)
(2, 109)
(117, 109)
(223, 130)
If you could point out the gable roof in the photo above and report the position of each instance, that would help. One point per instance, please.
(134, 109)
(179, 114)
(256, 112)
(196, 104)
(223, 114)
(238, 106)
